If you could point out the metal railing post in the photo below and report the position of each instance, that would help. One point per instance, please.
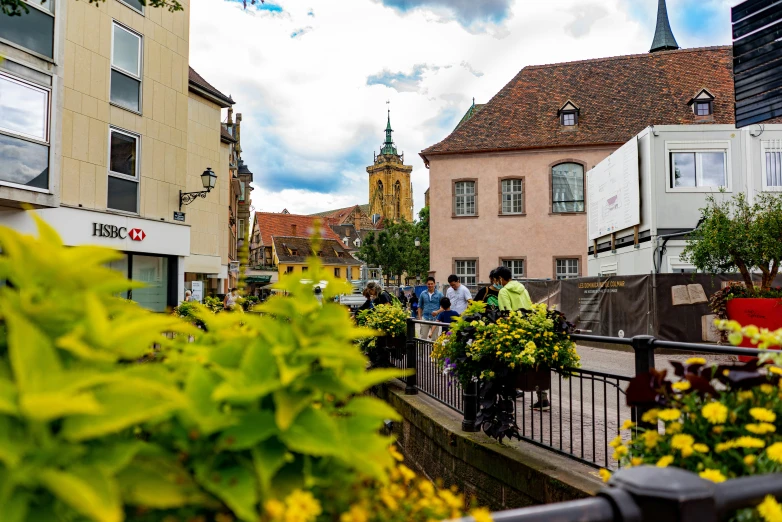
(470, 403)
(411, 360)
(643, 346)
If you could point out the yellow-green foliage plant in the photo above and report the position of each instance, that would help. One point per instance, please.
(70, 394)
(103, 418)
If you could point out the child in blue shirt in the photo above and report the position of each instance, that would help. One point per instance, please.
(447, 315)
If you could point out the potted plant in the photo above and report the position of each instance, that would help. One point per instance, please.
(735, 235)
(391, 321)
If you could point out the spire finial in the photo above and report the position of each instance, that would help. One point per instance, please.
(388, 145)
(663, 35)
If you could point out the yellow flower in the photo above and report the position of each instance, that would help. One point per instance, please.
(407, 473)
(767, 389)
(681, 386)
(356, 514)
(681, 440)
(616, 442)
(636, 461)
(761, 428)
(605, 474)
(395, 453)
(628, 425)
(695, 360)
(774, 452)
(674, 427)
(620, 452)
(303, 504)
(717, 430)
(650, 416)
(700, 447)
(775, 370)
(665, 461)
(712, 474)
(481, 515)
(687, 451)
(745, 395)
(670, 414)
(763, 415)
(650, 439)
(274, 508)
(770, 510)
(749, 460)
(715, 412)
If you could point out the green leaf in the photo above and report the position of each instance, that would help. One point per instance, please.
(45, 407)
(369, 407)
(199, 388)
(252, 428)
(112, 457)
(33, 358)
(314, 432)
(269, 457)
(289, 404)
(8, 398)
(235, 486)
(13, 442)
(158, 483)
(14, 502)
(122, 406)
(87, 490)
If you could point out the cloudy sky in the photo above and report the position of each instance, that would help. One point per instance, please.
(312, 77)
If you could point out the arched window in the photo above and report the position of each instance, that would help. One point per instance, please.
(567, 188)
(380, 190)
(398, 199)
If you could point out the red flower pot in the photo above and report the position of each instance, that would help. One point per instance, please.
(760, 312)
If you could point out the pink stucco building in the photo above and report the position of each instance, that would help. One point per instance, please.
(508, 185)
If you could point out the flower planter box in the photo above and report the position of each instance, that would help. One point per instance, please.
(530, 380)
(395, 346)
(760, 312)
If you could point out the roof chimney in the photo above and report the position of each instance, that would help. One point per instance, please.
(238, 135)
(663, 35)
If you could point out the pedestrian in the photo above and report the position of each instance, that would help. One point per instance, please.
(378, 295)
(459, 294)
(229, 301)
(428, 303)
(413, 305)
(368, 303)
(188, 296)
(490, 294)
(402, 297)
(447, 315)
(513, 295)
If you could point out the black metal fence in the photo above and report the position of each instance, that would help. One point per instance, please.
(650, 494)
(587, 407)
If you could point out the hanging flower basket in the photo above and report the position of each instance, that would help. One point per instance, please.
(394, 345)
(534, 379)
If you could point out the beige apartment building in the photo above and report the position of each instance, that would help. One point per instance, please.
(104, 129)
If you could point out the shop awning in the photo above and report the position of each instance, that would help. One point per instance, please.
(258, 279)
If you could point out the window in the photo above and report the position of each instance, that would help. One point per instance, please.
(568, 119)
(772, 167)
(154, 272)
(703, 108)
(241, 229)
(304, 269)
(134, 4)
(289, 270)
(241, 191)
(398, 199)
(24, 132)
(126, 69)
(698, 169)
(464, 198)
(336, 272)
(567, 188)
(512, 196)
(357, 243)
(123, 171)
(516, 267)
(34, 31)
(467, 271)
(567, 268)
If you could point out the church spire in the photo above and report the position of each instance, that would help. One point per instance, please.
(663, 35)
(388, 145)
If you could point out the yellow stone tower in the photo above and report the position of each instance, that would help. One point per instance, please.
(390, 189)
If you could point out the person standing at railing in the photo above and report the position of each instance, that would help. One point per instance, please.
(490, 294)
(428, 304)
(447, 315)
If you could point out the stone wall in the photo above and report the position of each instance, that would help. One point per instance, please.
(497, 476)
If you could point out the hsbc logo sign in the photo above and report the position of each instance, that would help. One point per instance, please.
(115, 232)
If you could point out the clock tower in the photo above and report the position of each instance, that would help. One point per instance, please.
(390, 189)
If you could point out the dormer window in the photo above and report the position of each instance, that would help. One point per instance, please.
(702, 104)
(568, 115)
(357, 243)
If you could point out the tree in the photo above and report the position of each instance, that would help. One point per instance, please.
(393, 248)
(736, 235)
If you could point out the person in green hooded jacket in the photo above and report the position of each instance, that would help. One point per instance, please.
(513, 295)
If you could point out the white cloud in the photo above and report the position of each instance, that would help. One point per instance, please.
(311, 121)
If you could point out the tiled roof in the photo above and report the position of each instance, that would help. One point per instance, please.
(273, 225)
(198, 80)
(225, 135)
(617, 97)
(301, 248)
(340, 213)
(471, 112)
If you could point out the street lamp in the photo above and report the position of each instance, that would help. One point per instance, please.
(208, 179)
(417, 242)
